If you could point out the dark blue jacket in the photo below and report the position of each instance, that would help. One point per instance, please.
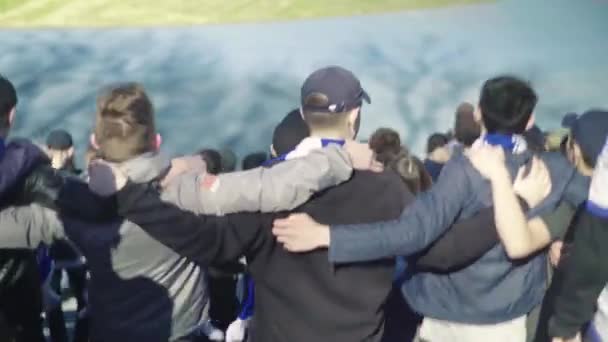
(17, 160)
(491, 290)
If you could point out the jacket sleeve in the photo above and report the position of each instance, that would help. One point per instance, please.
(201, 238)
(69, 195)
(584, 276)
(18, 160)
(282, 187)
(421, 223)
(456, 249)
(28, 227)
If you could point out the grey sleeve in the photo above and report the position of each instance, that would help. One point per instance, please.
(284, 186)
(559, 220)
(29, 226)
(421, 223)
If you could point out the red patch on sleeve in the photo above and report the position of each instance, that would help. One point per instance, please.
(208, 182)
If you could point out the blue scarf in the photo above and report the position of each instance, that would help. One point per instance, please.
(513, 143)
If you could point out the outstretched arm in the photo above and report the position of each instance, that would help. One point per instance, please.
(204, 239)
(419, 225)
(455, 249)
(282, 187)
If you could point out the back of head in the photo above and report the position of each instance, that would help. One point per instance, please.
(289, 133)
(436, 141)
(213, 161)
(59, 140)
(254, 160)
(535, 139)
(386, 143)
(506, 104)
(466, 128)
(331, 99)
(125, 125)
(588, 133)
(229, 160)
(8, 101)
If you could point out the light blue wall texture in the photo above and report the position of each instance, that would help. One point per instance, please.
(230, 84)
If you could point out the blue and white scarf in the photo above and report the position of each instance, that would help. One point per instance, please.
(304, 148)
(513, 143)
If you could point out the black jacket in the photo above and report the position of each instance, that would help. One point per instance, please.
(299, 297)
(579, 280)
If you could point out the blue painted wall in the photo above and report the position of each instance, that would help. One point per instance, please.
(229, 84)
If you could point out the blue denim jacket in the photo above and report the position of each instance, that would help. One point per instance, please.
(493, 289)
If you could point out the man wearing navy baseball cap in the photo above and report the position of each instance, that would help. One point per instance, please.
(336, 91)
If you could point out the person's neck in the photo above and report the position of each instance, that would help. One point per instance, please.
(585, 170)
(437, 157)
(330, 134)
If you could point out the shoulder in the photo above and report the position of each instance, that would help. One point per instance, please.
(385, 186)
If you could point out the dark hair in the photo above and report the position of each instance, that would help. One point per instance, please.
(322, 120)
(466, 128)
(506, 105)
(289, 133)
(535, 139)
(253, 160)
(213, 159)
(8, 101)
(435, 141)
(587, 159)
(386, 143)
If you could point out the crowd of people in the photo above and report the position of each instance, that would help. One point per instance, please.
(497, 234)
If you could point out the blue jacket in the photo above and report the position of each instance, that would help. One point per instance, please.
(491, 290)
(17, 159)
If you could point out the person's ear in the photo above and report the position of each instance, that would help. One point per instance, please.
(531, 122)
(93, 141)
(354, 122)
(273, 153)
(477, 115)
(70, 152)
(11, 116)
(158, 141)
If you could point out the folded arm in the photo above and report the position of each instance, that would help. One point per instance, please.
(521, 236)
(419, 225)
(281, 187)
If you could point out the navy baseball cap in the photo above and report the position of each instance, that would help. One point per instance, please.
(332, 90)
(59, 140)
(589, 131)
(569, 119)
